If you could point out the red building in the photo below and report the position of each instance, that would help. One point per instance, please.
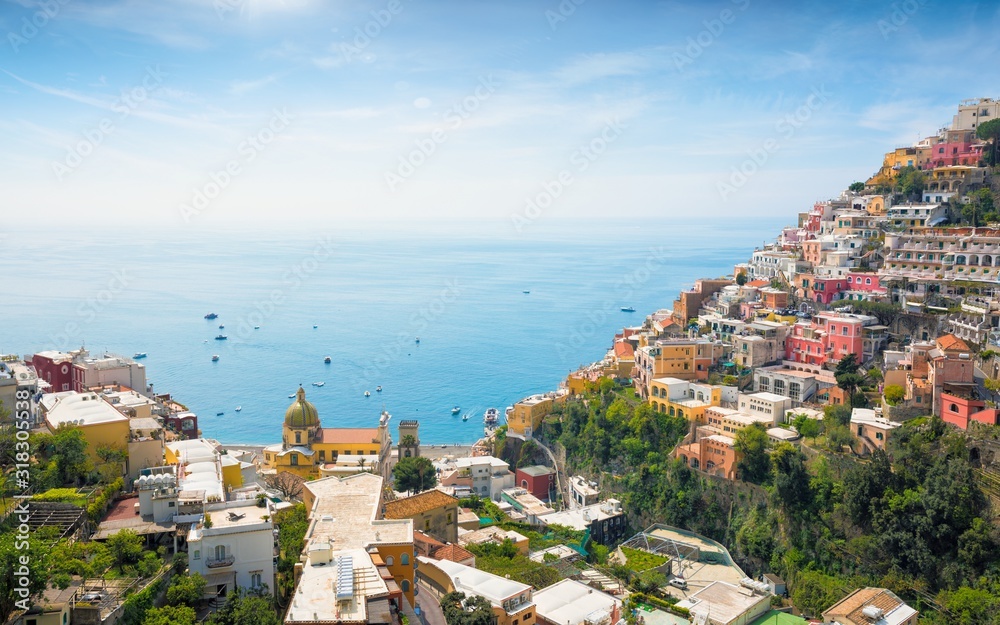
(537, 480)
(56, 368)
(959, 410)
(184, 423)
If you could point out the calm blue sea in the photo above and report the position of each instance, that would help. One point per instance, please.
(370, 294)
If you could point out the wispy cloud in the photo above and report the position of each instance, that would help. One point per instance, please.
(241, 87)
(592, 67)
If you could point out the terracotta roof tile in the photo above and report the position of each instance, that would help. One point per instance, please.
(455, 553)
(950, 341)
(354, 436)
(408, 507)
(624, 350)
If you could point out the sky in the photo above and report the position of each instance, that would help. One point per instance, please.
(207, 114)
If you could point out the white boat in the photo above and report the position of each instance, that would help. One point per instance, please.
(215, 358)
(456, 410)
(378, 389)
(327, 360)
(292, 396)
(318, 383)
(628, 309)
(492, 416)
(417, 340)
(139, 355)
(238, 408)
(367, 394)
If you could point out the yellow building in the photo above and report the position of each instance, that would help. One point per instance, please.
(689, 400)
(309, 450)
(100, 424)
(528, 413)
(730, 421)
(511, 600)
(433, 512)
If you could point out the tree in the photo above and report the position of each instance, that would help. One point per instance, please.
(894, 394)
(990, 131)
(809, 428)
(125, 547)
(247, 608)
(23, 572)
(752, 444)
(186, 590)
(461, 610)
(980, 208)
(113, 458)
(847, 364)
(66, 449)
(414, 474)
(864, 486)
(170, 615)
(285, 483)
(856, 187)
(791, 479)
(741, 278)
(910, 182)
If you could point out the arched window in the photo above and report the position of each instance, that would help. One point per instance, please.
(868, 280)
(404, 559)
(298, 437)
(389, 561)
(405, 585)
(953, 408)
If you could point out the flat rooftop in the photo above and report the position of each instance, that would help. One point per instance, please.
(345, 512)
(314, 596)
(572, 602)
(724, 601)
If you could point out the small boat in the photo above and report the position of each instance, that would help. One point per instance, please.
(256, 327)
(211, 316)
(465, 417)
(139, 355)
(367, 394)
(417, 340)
(222, 327)
(318, 383)
(378, 389)
(492, 416)
(526, 292)
(456, 410)
(219, 414)
(215, 358)
(292, 396)
(314, 327)
(628, 309)
(238, 408)
(327, 360)
(221, 337)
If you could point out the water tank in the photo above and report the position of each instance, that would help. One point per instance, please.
(872, 613)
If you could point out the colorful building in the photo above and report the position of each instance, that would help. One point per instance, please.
(309, 450)
(528, 413)
(688, 400)
(512, 601)
(432, 512)
(538, 480)
(100, 424)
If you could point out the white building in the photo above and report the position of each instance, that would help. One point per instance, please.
(975, 111)
(583, 492)
(238, 549)
(766, 404)
(722, 603)
(489, 475)
(570, 602)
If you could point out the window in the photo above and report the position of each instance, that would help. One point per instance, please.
(449, 517)
(322, 456)
(878, 435)
(427, 526)
(347, 452)
(295, 460)
(197, 554)
(405, 585)
(869, 280)
(953, 408)
(220, 552)
(171, 504)
(298, 438)
(255, 579)
(404, 559)
(389, 561)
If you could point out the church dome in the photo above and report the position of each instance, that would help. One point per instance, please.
(301, 414)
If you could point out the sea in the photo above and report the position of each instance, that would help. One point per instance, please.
(438, 317)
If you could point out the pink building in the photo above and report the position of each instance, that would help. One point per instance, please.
(828, 336)
(959, 410)
(865, 282)
(826, 290)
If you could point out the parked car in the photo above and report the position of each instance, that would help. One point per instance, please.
(679, 582)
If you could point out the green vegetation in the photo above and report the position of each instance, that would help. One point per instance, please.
(170, 615)
(990, 131)
(414, 475)
(484, 508)
(640, 561)
(292, 524)
(894, 394)
(856, 187)
(980, 209)
(505, 560)
(63, 495)
(461, 610)
(247, 608)
(186, 590)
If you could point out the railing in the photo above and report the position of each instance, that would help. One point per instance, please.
(214, 563)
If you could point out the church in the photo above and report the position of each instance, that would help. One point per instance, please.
(311, 451)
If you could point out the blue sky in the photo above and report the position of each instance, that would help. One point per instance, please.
(202, 113)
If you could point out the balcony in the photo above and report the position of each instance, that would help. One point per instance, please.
(217, 563)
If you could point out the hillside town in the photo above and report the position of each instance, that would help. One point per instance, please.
(866, 331)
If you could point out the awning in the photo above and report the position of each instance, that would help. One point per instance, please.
(215, 579)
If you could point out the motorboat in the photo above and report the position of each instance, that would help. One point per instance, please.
(211, 316)
(222, 327)
(456, 410)
(526, 292)
(318, 383)
(221, 337)
(219, 414)
(314, 327)
(378, 389)
(628, 309)
(465, 417)
(215, 358)
(417, 340)
(492, 416)
(327, 360)
(367, 394)
(139, 355)
(256, 327)
(292, 396)
(238, 408)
